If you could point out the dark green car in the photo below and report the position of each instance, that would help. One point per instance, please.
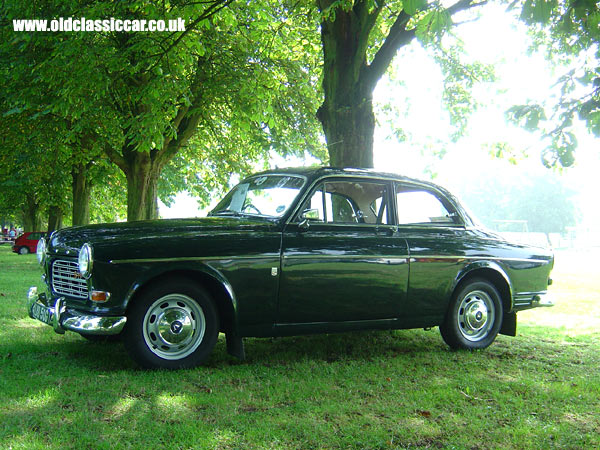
(287, 252)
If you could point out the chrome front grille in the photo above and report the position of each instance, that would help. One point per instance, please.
(66, 279)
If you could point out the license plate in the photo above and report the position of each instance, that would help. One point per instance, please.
(41, 313)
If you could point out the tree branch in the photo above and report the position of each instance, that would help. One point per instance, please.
(399, 36)
(396, 38)
(209, 12)
(116, 158)
(463, 5)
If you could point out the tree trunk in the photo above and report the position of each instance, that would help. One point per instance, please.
(349, 132)
(82, 188)
(142, 180)
(31, 218)
(55, 217)
(347, 110)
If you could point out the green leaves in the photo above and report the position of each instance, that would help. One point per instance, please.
(527, 116)
(538, 11)
(411, 7)
(433, 25)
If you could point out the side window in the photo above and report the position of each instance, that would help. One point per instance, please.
(313, 208)
(348, 202)
(419, 206)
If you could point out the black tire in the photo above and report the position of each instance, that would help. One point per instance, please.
(23, 251)
(172, 325)
(474, 316)
(98, 338)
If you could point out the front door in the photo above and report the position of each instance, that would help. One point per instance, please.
(342, 259)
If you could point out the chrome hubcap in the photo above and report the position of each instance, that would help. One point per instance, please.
(174, 326)
(475, 315)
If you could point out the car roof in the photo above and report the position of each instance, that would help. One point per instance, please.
(315, 172)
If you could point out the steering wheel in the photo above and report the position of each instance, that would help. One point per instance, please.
(250, 206)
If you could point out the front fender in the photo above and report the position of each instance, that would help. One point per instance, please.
(200, 270)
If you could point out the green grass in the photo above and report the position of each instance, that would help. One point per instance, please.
(372, 390)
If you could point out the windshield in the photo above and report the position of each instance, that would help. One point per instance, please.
(265, 195)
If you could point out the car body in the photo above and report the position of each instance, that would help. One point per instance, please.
(288, 252)
(27, 242)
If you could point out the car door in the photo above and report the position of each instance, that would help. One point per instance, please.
(341, 257)
(436, 239)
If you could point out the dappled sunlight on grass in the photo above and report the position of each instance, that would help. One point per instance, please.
(371, 390)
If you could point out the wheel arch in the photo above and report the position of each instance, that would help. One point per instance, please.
(489, 271)
(217, 286)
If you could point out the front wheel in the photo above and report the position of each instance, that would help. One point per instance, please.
(172, 325)
(23, 251)
(474, 317)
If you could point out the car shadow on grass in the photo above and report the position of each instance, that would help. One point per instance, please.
(41, 344)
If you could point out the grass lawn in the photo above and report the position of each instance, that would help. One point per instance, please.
(372, 390)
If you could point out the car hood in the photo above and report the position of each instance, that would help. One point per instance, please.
(69, 240)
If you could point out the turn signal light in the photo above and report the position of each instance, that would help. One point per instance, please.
(99, 296)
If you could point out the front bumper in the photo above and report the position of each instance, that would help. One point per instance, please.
(61, 318)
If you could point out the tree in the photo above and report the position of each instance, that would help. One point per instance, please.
(32, 170)
(569, 33)
(360, 38)
(233, 73)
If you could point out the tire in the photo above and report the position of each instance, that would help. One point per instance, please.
(172, 325)
(474, 316)
(99, 338)
(23, 251)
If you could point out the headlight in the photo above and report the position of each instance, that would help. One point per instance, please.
(85, 261)
(41, 251)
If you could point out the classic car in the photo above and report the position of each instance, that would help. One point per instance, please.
(289, 252)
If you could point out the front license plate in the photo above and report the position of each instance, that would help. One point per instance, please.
(41, 313)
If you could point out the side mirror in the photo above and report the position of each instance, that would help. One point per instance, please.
(306, 216)
(310, 214)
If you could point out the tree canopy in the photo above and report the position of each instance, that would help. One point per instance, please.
(569, 33)
(139, 116)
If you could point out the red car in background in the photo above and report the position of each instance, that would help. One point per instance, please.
(27, 242)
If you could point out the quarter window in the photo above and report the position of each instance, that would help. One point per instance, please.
(417, 206)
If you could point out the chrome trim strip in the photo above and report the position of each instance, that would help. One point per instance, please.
(322, 256)
(192, 258)
(414, 258)
(386, 226)
(480, 258)
(402, 258)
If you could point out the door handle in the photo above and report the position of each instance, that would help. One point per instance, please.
(385, 231)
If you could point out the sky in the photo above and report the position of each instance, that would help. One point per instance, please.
(495, 38)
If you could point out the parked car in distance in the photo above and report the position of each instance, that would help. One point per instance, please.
(288, 252)
(27, 242)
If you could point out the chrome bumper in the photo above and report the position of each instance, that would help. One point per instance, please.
(62, 319)
(528, 300)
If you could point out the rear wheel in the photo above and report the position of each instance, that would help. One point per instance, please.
(474, 317)
(172, 325)
(23, 251)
